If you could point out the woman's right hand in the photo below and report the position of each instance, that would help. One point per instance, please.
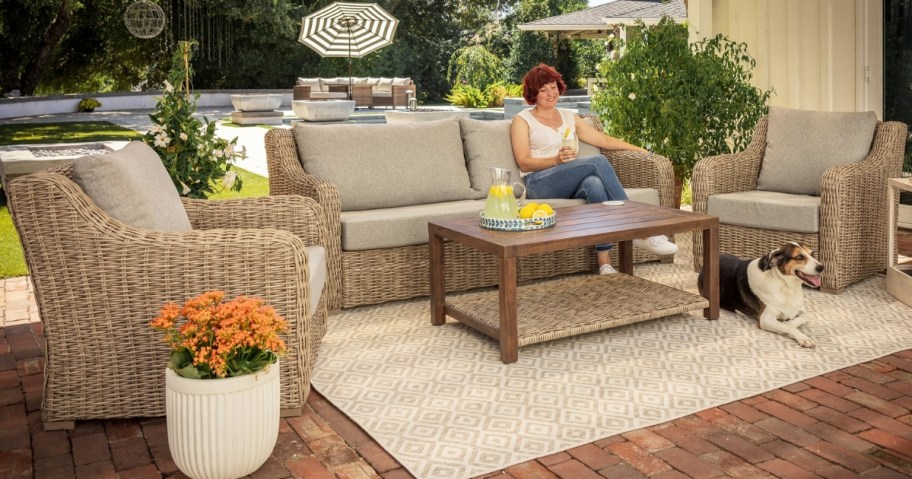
(565, 154)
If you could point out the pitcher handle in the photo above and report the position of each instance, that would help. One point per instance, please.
(522, 197)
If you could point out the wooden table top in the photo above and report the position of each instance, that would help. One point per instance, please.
(576, 226)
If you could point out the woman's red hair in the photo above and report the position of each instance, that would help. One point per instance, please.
(538, 77)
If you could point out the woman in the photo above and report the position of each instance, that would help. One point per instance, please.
(553, 171)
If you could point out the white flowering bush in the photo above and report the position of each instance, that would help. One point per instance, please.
(197, 160)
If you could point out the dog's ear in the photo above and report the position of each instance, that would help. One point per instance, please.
(771, 260)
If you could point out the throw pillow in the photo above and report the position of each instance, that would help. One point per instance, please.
(801, 145)
(385, 84)
(133, 186)
(487, 145)
(387, 165)
(401, 81)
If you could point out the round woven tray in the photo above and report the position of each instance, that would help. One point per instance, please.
(517, 224)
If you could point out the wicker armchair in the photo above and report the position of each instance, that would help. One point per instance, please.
(851, 238)
(98, 283)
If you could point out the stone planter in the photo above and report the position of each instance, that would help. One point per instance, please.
(222, 428)
(257, 102)
(323, 110)
(396, 116)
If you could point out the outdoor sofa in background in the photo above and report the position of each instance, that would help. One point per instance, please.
(366, 91)
(379, 192)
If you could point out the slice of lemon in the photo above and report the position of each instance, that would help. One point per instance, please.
(540, 214)
(546, 208)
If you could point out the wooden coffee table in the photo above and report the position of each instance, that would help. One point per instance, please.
(518, 316)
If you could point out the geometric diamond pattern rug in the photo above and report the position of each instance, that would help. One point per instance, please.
(438, 399)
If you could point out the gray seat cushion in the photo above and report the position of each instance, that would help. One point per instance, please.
(802, 145)
(133, 186)
(767, 210)
(407, 225)
(387, 165)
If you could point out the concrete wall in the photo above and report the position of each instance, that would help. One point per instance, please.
(816, 54)
(33, 106)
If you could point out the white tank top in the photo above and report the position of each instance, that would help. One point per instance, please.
(544, 141)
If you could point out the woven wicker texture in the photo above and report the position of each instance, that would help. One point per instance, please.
(558, 309)
(852, 241)
(374, 276)
(98, 282)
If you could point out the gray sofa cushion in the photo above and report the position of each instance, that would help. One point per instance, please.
(802, 145)
(133, 186)
(387, 165)
(487, 145)
(407, 225)
(767, 210)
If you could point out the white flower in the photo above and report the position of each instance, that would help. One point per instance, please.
(162, 140)
(229, 151)
(168, 87)
(184, 188)
(632, 96)
(156, 129)
(229, 179)
(183, 136)
(218, 153)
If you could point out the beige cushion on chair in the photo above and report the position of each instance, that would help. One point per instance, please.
(767, 210)
(801, 145)
(387, 165)
(487, 145)
(133, 186)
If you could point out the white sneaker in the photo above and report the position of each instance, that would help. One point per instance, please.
(607, 269)
(657, 245)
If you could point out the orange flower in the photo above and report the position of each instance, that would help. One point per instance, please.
(221, 339)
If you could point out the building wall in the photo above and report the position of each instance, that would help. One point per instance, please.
(816, 54)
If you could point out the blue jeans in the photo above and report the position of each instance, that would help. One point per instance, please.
(591, 178)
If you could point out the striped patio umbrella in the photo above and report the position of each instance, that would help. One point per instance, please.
(348, 30)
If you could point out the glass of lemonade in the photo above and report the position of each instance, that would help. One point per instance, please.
(569, 139)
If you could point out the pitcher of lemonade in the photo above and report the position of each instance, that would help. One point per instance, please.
(501, 202)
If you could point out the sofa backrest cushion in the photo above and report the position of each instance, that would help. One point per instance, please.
(801, 145)
(402, 81)
(387, 165)
(487, 145)
(313, 83)
(133, 186)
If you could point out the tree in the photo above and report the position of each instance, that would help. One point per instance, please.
(531, 48)
(682, 101)
(475, 66)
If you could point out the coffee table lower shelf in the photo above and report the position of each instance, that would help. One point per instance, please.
(568, 307)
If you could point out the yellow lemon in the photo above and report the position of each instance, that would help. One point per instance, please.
(546, 208)
(526, 211)
(540, 214)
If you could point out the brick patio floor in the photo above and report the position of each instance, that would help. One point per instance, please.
(855, 422)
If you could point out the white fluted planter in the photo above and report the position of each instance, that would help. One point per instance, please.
(222, 428)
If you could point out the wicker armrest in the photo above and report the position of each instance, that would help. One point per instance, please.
(637, 169)
(363, 95)
(287, 177)
(301, 92)
(729, 173)
(399, 96)
(298, 214)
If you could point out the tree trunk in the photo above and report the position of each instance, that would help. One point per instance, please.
(33, 71)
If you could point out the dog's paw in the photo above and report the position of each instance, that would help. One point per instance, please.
(804, 341)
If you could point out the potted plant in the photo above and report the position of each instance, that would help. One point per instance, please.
(221, 383)
(196, 158)
(88, 105)
(682, 101)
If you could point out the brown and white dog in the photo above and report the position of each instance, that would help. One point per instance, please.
(768, 288)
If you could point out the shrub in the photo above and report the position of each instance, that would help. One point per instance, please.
(496, 92)
(468, 96)
(88, 104)
(682, 101)
(474, 66)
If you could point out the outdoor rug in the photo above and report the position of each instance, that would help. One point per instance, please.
(439, 400)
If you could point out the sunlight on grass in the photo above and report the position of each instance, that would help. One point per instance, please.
(65, 132)
(12, 260)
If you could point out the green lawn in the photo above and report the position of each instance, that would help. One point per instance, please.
(64, 132)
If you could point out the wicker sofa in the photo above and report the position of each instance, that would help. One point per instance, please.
(379, 193)
(99, 281)
(366, 91)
